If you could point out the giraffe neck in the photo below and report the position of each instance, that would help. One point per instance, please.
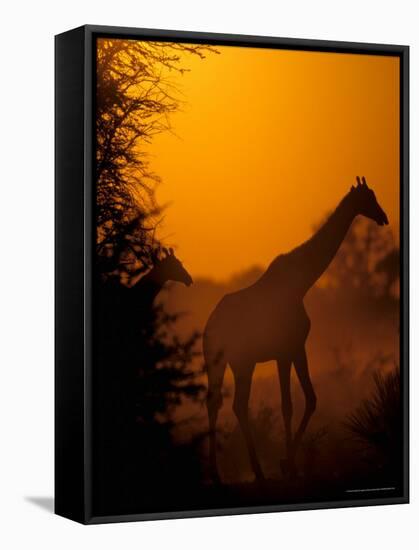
(150, 285)
(298, 270)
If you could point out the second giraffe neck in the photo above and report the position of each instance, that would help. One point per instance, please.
(150, 284)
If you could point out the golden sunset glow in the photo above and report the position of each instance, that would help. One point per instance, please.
(262, 372)
(266, 144)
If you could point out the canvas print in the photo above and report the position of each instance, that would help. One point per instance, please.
(246, 304)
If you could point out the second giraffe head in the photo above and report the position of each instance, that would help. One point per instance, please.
(170, 267)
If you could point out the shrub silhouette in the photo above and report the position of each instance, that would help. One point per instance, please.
(377, 423)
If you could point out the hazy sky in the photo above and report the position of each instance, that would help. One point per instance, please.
(267, 143)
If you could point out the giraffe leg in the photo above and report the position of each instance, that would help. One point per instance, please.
(301, 367)
(284, 371)
(212, 417)
(243, 379)
(215, 370)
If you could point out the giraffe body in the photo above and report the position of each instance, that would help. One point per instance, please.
(282, 325)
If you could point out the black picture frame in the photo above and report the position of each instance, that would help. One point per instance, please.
(74, 238)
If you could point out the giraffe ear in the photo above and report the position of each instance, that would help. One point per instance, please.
(352, 188)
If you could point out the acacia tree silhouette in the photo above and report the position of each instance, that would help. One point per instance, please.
(134, 99)
(142, 370)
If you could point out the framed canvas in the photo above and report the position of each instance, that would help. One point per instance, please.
(231, 274)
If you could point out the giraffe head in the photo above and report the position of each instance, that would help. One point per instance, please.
(170, 267)
(366, 202)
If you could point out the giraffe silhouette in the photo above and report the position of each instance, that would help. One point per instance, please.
(267, 321)
(143, 291)
(126, 311)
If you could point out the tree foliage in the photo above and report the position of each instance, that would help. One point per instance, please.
(367, 262)
(134, 100)
(142, 369)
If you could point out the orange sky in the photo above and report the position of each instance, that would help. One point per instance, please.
(267, 143)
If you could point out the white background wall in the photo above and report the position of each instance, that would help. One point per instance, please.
(26, 272)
